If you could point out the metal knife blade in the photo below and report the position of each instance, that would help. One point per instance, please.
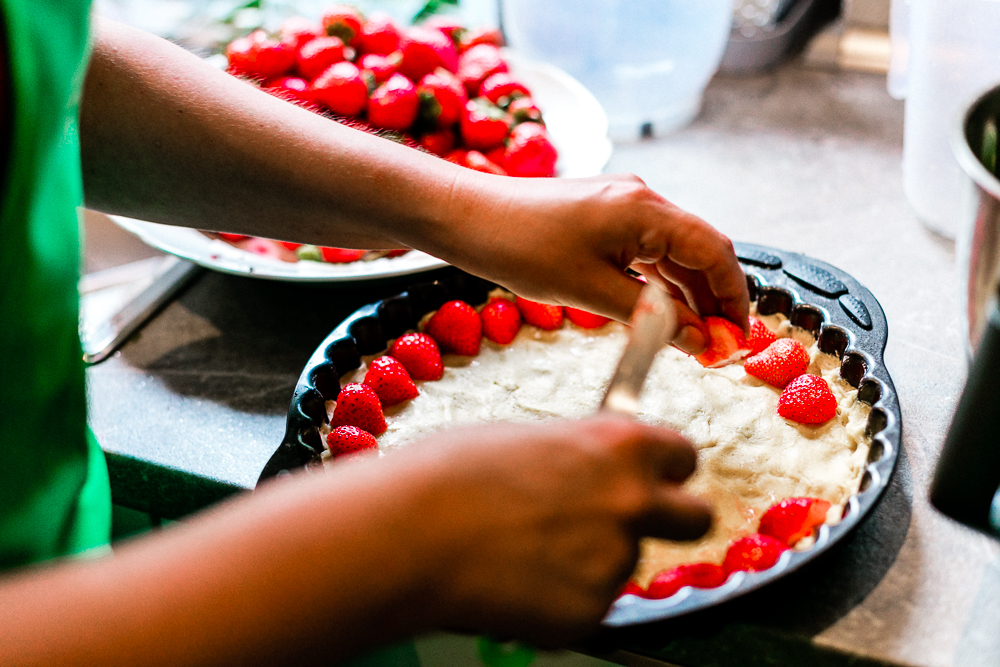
(654, 324)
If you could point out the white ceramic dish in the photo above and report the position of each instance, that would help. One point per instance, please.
(576, 122)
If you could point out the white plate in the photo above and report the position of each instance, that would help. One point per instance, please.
(575, 120)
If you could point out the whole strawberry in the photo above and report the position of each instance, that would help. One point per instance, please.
(478, 63)
(760, 336)
(442, 98)
(289, 88)
(726, 343)
(358, 405)
(541, 315)
(378, 35)
(484, 125)
(446, 25)
(524, 110)
(343, 21)
(585, 320)
(457, 328)
(794, 518)
(380, 67)
(296, 31)
(699, 575)
(423, 50)
(260, 56)
(501, 88)
(419, 355)
(752, 554)
(341, 89)
(350, 440)
(781, 362)
(316, 55)
(390, 381)
(470, 38)
(501, 320)
(394, 104)
(440, 143)
(807, 400)
(475, 160)
(529, 152)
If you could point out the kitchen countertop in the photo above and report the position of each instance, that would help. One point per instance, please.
(191, 408)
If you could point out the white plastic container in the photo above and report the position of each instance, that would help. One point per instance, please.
(646, 61)
(954, 52)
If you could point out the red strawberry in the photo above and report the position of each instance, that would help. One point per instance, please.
(340, 255)
(501, 320)
(358, 405)
(477, 63)
(484, 125)
(440, 143)
(381, 67)
(447, 26)
(341, 89)
(424, 50)
(419, 355)
(343, 21)
(291, 245)
(442, 98)
(726, 343)
(457, 328)
(760, 336)
(398, 252)
(523, 110)
(479, 162)
(794, 518)
(257, 55)
(502, 85)
(471, 38)
(390, 381)
(752, 554)
(807, 400)
(585, 320)
(289, 88)
(264, 247)
(496, 155)
(378, 35)
(529, 152)
(232, 238)
(394, 104)
(349, 440)
(632, 588)
(541, 315)
(296, 31)
(781, 362)
(318, 54)
(699, 575)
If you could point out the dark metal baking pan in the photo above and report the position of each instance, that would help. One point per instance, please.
(845, 317)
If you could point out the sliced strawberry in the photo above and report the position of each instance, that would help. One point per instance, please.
(632, 588)
(424, 50)
(699, 575)
(477, 63)
(264, 247)
(350, 440)
(794, 518)
(291, 245)
(341, 255)
(358, 405)
(585, 320)
(378, 35)
(390, 381)
(419, 355)
(760, 336)
(398, 252)
(394, 104)
(440, 143)
(341, 89)
(726, 343)
(343, 21)
(501, 320)
(457, 328)
(484, 125)
(380, 66)
(232, 238)
(502, 86)
(752, 554)
(807, 400)
(296, 31)
(781, 362)
(529, 152)
(541, 315)
(442, 98)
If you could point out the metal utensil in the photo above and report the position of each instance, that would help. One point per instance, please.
(654, 324)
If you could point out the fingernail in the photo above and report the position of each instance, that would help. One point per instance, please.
(690, 339)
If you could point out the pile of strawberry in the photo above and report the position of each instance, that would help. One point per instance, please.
(437, 85)
(455, 328)
(781, 528)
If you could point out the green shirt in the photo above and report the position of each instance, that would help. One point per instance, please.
(54, 495)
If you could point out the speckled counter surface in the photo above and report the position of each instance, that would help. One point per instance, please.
(191, 409)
